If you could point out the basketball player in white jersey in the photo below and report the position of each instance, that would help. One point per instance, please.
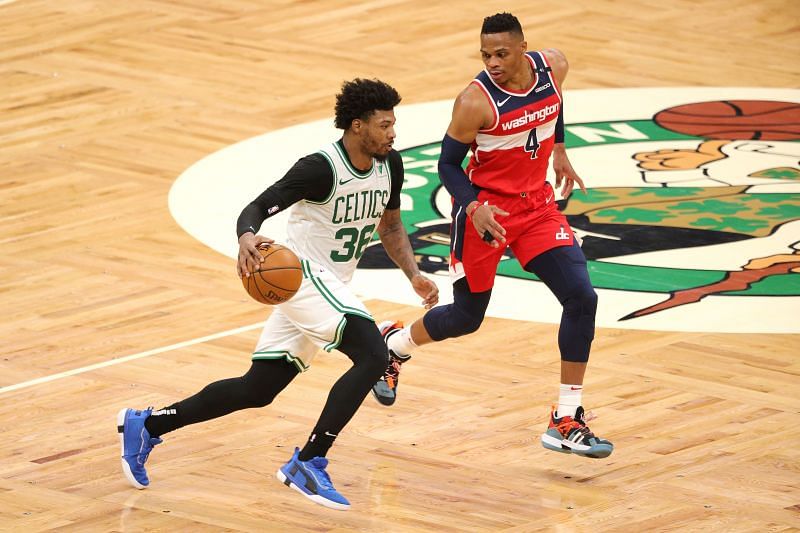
(339, 196)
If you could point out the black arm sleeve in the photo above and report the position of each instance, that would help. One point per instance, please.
(311, 178)
(396, 169)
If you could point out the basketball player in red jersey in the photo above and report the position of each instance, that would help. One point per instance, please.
(511, 117)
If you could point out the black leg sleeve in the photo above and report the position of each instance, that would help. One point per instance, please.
(257, 388)
(363, 344)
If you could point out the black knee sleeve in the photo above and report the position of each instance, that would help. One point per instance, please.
(363, 344)
(262, 383)
(253, 394)
(257, 388)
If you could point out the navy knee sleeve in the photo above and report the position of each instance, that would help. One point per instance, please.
(564, 271)
(577, 325)
(461, 317)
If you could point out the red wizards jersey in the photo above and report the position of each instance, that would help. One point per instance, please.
(512, 155)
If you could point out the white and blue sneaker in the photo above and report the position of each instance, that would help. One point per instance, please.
(136, 445)
(310, 479)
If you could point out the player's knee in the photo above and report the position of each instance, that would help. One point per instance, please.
(582, 302)
(470, 323)
(378, 362)
(372, 363)
(462, 322)
(253, 394)
(372, 356)
(462, 317)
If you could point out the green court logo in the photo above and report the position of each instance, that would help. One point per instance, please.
(691, 221)
(701, 178)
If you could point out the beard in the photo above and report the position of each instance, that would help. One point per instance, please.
(375, 149)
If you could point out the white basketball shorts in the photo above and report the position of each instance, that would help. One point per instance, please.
(313, 318)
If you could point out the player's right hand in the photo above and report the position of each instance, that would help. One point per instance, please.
(487, 227)
(249, 257)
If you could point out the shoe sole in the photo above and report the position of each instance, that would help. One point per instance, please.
(126, 468)
(383, 326)
(316, 498)
(382, 400)
(562, 446)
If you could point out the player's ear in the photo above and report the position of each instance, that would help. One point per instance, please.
(356, 125)
(523, 45)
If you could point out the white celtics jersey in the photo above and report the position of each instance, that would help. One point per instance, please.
(335, 232)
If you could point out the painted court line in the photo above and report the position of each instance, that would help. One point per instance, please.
(125, 359)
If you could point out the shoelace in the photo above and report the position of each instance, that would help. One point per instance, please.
(568, 424)
(393, 371)
(321, 476)
(147, 448)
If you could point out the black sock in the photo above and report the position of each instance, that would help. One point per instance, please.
(317, 445)
(163, 421)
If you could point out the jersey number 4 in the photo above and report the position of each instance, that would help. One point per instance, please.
(532, 144)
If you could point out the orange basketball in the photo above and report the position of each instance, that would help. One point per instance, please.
(734, 120)
(277, 279)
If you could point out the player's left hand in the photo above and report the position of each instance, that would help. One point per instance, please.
(564, 172)
(427, 289)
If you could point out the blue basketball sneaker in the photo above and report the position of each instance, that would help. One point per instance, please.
(310, 479)
(136, 445)
(570, 434)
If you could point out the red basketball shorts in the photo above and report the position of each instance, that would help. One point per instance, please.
(533, 226)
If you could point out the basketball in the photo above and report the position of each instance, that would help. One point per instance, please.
(277, 279)
(734, 120)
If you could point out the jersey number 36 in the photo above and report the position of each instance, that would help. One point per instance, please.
(353, 243)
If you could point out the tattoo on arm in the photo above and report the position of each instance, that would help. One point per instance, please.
(395, 241)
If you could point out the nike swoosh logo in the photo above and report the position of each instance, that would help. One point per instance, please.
(547, 200)
(344, 181)
(575, 388)
(501, 104)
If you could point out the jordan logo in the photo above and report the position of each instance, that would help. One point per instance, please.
(562, 235)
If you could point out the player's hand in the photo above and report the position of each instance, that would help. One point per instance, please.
(564, 172)
(426, 289)
(485, 224)
(249, 256)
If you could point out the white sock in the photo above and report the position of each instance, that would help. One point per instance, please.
(401, 342)
(569, 399)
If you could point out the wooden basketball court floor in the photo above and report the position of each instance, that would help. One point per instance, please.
(107, 302)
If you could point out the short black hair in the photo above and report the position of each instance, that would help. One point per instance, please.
(361, 98)
(500, 23)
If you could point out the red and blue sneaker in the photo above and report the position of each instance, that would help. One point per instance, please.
(385, 390)
(570, 434)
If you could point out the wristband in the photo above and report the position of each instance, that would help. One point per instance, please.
(476, 208)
